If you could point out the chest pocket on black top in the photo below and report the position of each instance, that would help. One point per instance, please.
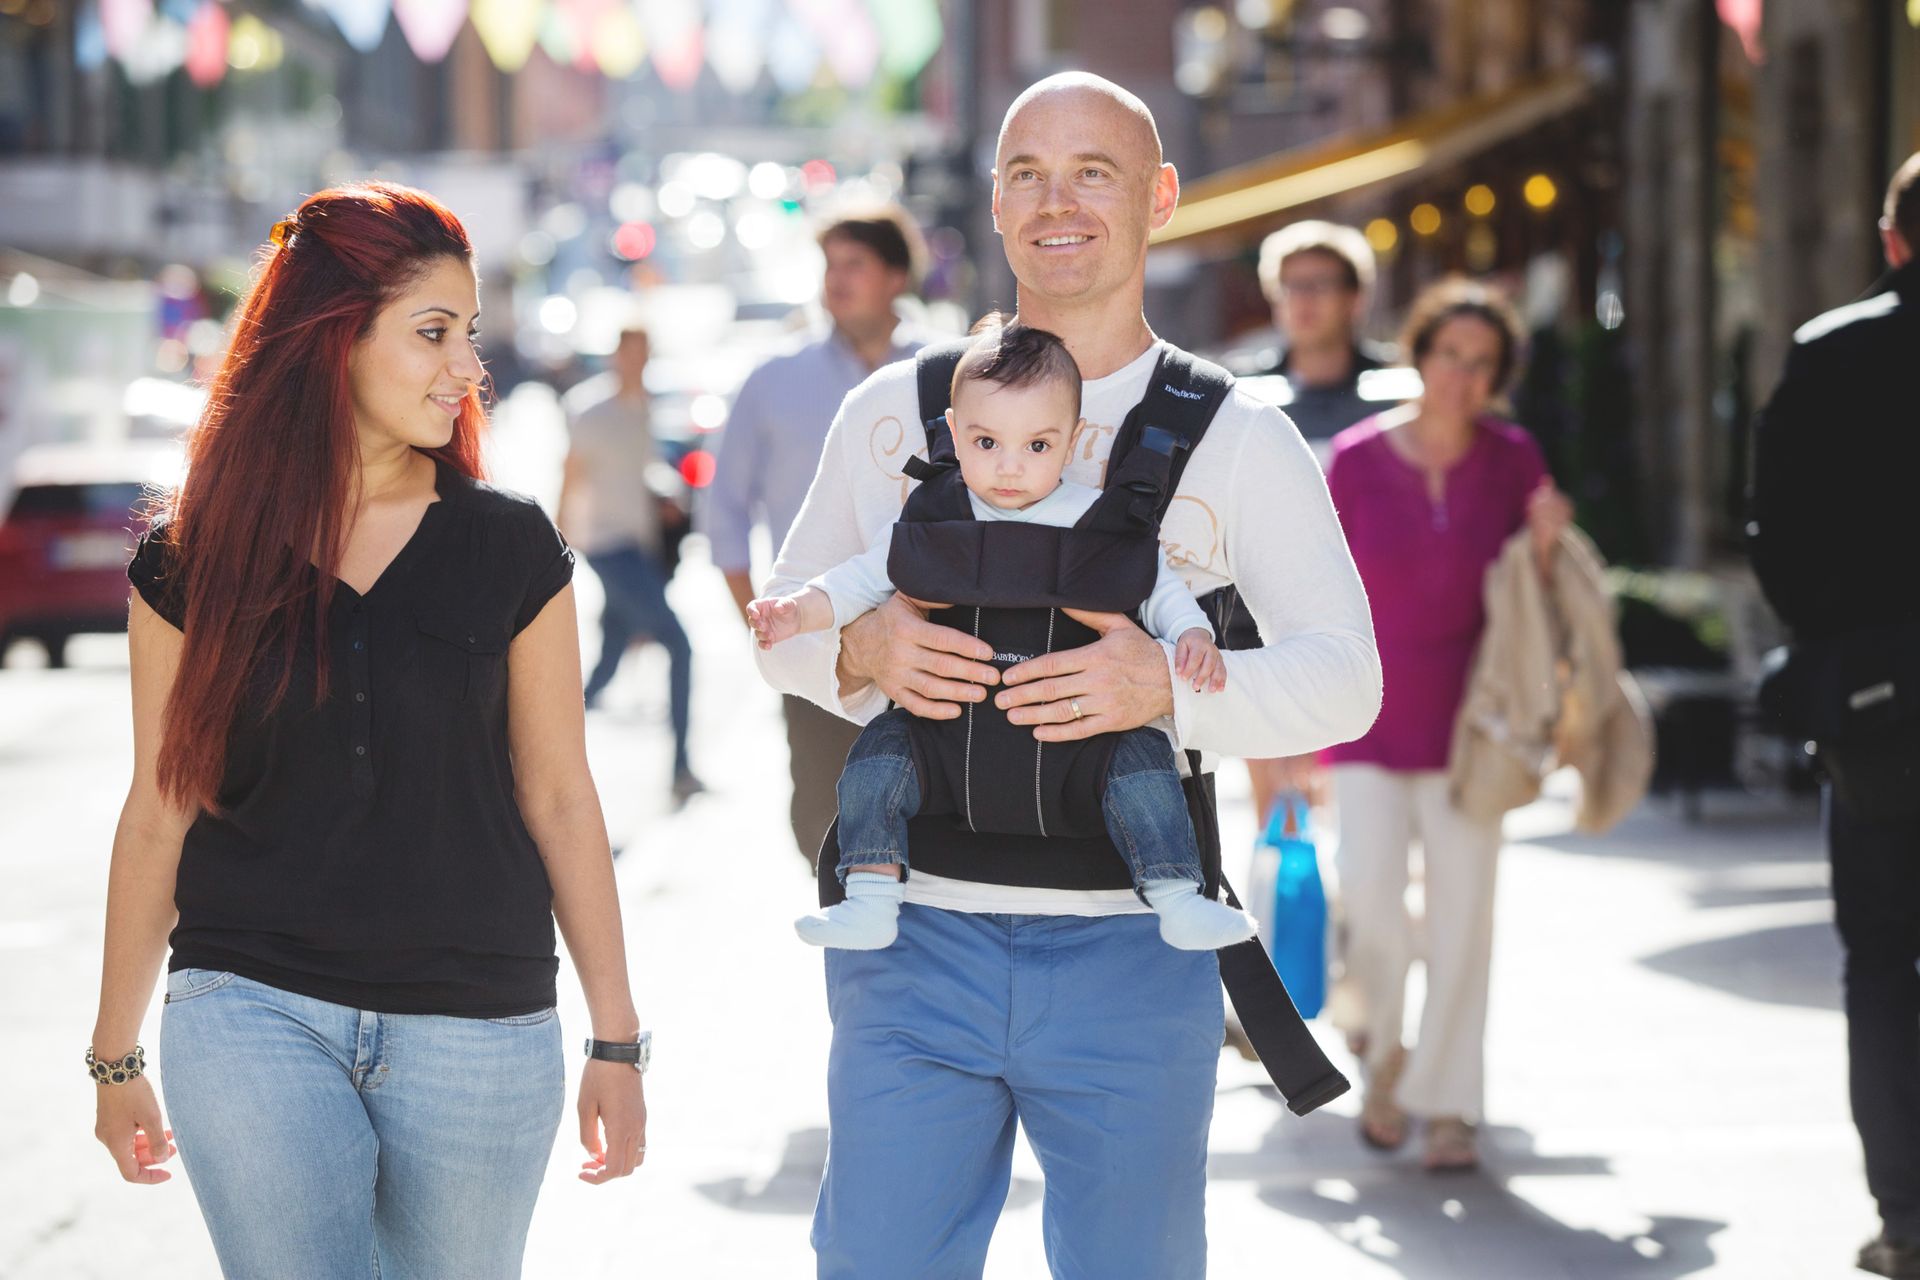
(462, 658)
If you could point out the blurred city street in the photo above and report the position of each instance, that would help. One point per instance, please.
(1514, 270)
(1667, 1058)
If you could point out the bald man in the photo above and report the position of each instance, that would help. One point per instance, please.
(1056, 1009)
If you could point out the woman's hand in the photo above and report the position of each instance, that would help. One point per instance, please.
(926, 668)
(1549, 513)
(127, 1121)
(613, 1121)
(1118, 682)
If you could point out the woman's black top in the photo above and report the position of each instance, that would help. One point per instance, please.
(369, 851)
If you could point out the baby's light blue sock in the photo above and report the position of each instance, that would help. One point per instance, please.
(1193, 923)
(867, 921)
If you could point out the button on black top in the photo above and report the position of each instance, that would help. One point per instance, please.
(369, 851)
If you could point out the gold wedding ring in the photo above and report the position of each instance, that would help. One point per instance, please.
(1073, 705)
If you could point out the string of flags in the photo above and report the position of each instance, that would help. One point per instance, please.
(797, 44)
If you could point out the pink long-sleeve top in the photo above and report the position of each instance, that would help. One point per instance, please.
(1423, 563)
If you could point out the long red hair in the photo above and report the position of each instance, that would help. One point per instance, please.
(273, 463)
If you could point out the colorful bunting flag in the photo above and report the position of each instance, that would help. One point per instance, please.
(508, 30)
(362, 22)
(568, 34)
(789, 40)
(619, 44)
(123, 22)
(157, 54)
(430, 25)
(89, 38)
(557, 33)
(845, 34)
(910, 34)
(207, 44)
(675, 41)
(737, 41)
(853, 50)
(793, 55)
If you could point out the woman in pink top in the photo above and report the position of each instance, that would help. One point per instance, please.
(1428, 493)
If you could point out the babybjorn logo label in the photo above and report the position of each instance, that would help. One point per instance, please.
(1013, 657)
(1172, 390)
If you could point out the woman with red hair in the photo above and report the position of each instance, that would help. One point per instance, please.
(360, 795)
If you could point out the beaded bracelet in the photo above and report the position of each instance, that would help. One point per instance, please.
(120, 1070)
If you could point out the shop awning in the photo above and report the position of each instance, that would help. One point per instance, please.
(1251, 193)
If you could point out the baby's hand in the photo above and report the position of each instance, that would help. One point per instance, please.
(1196, 659)
(773, 619)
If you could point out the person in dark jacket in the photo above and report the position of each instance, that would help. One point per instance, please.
(1318, 276)
(1834, 542)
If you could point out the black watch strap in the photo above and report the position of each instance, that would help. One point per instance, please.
(633, 1053)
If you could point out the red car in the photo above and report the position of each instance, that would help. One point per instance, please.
(67, 536)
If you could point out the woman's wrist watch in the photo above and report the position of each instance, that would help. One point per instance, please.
(636, 1053)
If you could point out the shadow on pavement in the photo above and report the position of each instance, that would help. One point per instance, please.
(1792, 964)
(1755, 853)
(793, 1187)
(1428, 1227)
(1711, 897)
(1748, 830)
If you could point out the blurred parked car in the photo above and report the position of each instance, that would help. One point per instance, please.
(67, 536)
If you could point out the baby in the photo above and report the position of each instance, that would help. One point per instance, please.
(1015, 415)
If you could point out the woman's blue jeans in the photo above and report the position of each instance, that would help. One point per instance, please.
(1145, 808)
(332, 1143)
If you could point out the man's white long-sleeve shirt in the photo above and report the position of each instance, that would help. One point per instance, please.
(861, 584)
(1251, 509)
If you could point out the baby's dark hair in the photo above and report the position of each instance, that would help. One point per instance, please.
(1010, 354)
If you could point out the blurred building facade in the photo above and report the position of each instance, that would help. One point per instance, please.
(599, 160)
(1421, 120)
(1669, 187)
(1760, 139)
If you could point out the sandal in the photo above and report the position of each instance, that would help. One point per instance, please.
(1383, 1125)
(1451, 1146)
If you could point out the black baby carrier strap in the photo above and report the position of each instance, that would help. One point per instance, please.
(940, 553)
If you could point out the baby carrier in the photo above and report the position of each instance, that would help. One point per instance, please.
(1000, 807)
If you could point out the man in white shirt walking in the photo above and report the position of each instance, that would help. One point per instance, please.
(772, 445)
(1060, 1009)
(612, 514)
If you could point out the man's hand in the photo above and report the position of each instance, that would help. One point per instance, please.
(1118, 682)
(924, 667)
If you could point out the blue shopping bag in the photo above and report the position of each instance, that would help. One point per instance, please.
(1299, 925)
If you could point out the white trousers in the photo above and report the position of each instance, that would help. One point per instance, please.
(1382, 813)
